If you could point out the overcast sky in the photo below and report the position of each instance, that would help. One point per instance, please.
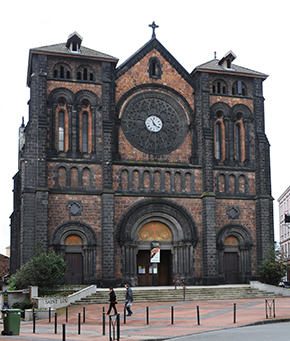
(256, 31)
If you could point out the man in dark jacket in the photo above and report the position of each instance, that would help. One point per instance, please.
(128, 299)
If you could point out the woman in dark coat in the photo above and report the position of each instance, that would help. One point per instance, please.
(113, 301)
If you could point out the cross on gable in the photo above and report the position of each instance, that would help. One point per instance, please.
(153, 26)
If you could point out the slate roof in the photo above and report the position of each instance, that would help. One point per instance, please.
(213, 65)
(84, 51)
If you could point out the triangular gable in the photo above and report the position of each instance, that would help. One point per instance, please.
(144, 50)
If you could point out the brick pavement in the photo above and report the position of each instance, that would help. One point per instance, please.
(214, 315)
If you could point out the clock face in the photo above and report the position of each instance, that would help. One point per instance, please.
(154, 122)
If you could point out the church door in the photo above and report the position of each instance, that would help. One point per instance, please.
(154, 273)
(144, 268)
(74, 274)
(231, 267)
(74, 259)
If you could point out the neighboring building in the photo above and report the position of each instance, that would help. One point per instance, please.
(118, 161)
(4, 265)
(284, 229)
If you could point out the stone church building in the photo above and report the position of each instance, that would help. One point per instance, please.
(143, 172)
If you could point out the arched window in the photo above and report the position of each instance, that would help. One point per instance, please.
(85, 132)
(239, 88)
(154, 68)
(73, 240)
(239, 136)
(61, 131)
(238, 142)
(219, 137)
(61, 72)
(218, 141)
(85, 127)
(85, 74)
(219, 87)
(61, 127)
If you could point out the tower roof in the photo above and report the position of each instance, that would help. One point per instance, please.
(225, 65)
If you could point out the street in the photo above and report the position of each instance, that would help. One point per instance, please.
(271, 331)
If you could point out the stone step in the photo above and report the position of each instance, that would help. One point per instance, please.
(171, 294)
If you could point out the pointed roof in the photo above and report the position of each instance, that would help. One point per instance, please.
(153, 43)
(225, 65)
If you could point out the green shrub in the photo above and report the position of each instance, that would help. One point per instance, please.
(45, 270)
(273, 267)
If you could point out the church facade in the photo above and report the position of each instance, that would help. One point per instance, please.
(143, 173)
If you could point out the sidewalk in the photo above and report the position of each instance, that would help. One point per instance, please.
(214, 315)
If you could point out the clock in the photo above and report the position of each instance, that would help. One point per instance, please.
(154, 122)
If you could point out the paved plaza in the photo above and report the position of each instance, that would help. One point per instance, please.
(165, 320)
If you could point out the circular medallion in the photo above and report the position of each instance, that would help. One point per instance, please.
(154, 122)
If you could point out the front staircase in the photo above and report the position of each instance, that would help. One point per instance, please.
(170, 294)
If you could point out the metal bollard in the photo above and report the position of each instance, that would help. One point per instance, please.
(79, 324)
(125, 315)
(63, 332)
(235, 308)
(104, 322)
(147, 315)
(198, 317)
(84, 314)
(115, 325)
(55, 323)
(172, 315)
(66, 314)
(33, 318)
(49, 314)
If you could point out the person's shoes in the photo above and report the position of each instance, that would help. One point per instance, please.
(128, 314)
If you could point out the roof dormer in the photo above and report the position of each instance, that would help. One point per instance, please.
(227, 60)
(74, 42)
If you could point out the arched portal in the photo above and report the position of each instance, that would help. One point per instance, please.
(154, 266)
(157, 220)
(234, 244)
(77, 242)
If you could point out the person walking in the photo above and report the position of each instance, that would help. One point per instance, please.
(113, 301)
(128, 299)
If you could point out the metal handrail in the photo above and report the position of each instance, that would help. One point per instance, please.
(178, 281)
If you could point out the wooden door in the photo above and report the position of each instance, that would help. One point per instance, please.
(144, 268)
(74, 274)
(164, 267)
(231, 267)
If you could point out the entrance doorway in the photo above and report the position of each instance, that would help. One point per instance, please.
(154, 273)
(231, 267)
(74, 274)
